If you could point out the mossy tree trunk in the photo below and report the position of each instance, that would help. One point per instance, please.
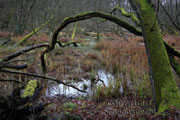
(164, 86)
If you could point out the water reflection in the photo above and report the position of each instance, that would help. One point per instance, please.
(60, 89)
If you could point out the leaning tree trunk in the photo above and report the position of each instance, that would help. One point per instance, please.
(164, 86)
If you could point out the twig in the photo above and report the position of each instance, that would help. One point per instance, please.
(9, 80)
(28, 15)
(100, 80)
(40, 76)
(67, 44)
(16, 61)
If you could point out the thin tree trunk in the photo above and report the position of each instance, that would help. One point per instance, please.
(17, 19)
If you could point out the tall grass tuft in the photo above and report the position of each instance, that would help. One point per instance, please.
(127, 61)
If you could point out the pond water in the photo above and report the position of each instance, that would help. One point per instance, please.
(89, 47)
(60, 89)
(104, 76)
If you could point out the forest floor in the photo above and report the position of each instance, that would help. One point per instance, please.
(123, 108)
(122, 57)
(128, 105)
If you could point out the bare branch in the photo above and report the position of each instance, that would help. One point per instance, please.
(41, 76)
(177, 17)
(16, 61)
(6, 65)
(173, 22)
(24, 50)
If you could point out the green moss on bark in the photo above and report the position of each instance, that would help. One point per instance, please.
(126, 14)
(30, 88)
(131, 15)
(166, 91)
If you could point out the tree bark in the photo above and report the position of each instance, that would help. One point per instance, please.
(163, 83)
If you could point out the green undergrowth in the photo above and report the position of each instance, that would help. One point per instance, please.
(69, 106)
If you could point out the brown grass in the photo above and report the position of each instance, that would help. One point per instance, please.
(4, 34)
(125, 59)
(35, 39)
(172, 39)
(64, 40)
(129, 60)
